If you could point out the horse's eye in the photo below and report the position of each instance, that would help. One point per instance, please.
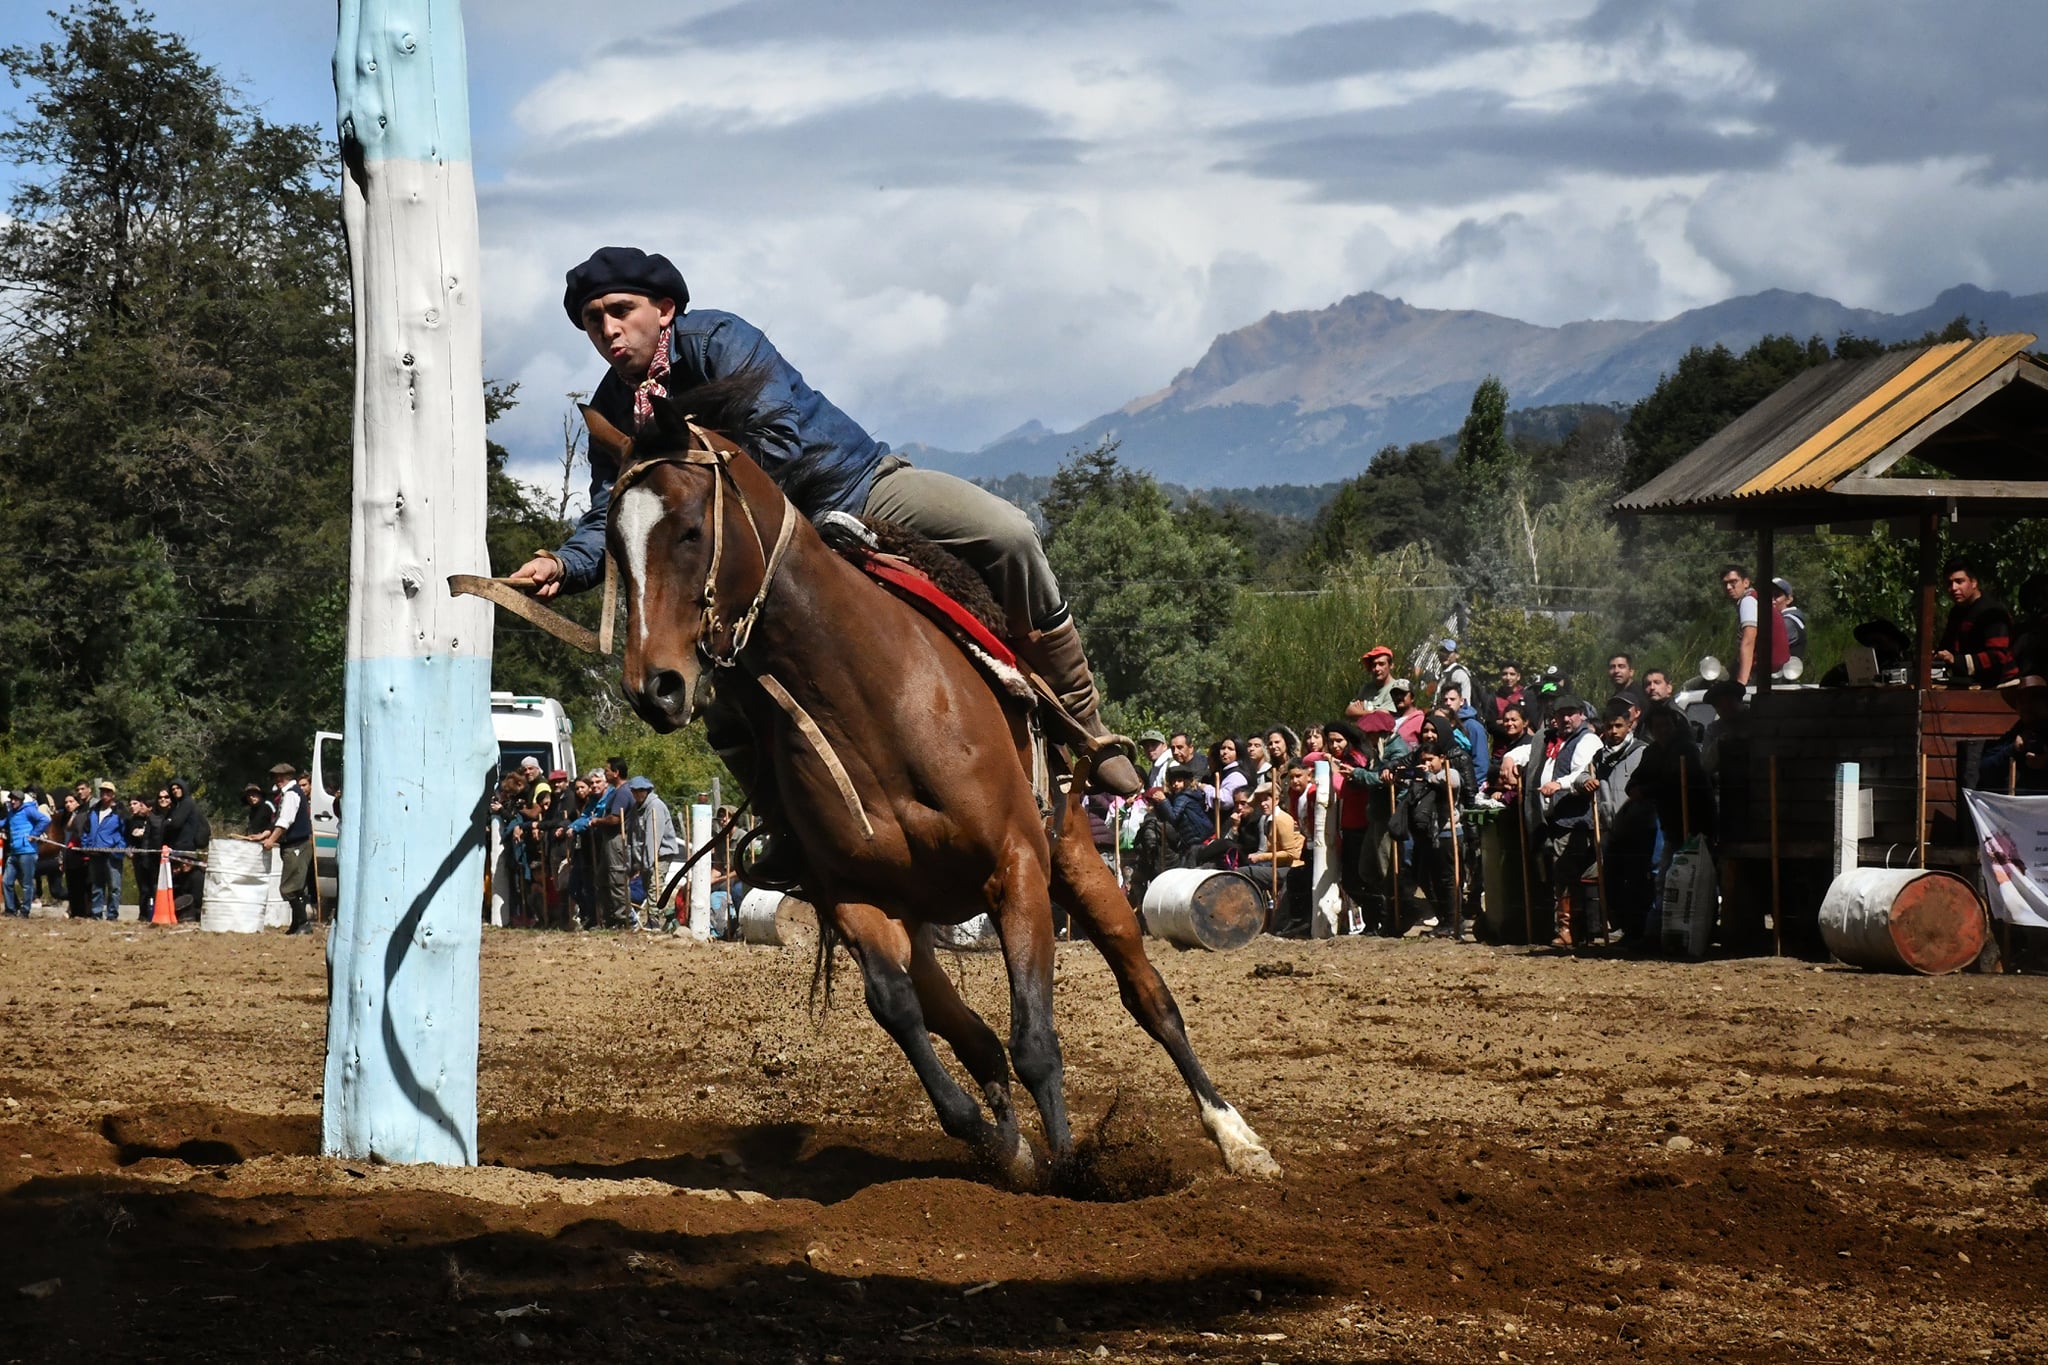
(694, 533)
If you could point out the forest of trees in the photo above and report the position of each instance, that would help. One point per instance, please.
(176, 392)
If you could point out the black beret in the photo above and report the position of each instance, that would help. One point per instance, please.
(623, 270)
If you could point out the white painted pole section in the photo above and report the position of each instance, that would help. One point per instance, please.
(1328, 897)
(1848, 816)
(700, 875)
(402, 958)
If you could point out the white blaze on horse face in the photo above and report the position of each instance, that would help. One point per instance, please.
(638, 511)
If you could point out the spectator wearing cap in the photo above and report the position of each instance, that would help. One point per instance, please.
(653, 840)
(1450, 672)
(1407, 715)
(106, 843)
(536, 780)
(1794, 617)
(1157, 756)
(1366, 782)
(635, 309)
(1377, 691)
(291, 834)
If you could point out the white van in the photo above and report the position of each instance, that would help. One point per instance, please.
(536, 726)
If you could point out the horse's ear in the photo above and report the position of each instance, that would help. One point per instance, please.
(605, 436)
(671, 423)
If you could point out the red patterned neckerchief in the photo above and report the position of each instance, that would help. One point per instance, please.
(651, 387)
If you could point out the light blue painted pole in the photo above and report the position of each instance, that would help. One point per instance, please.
(402, 958)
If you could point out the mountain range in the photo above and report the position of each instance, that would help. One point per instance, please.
(1309, 397)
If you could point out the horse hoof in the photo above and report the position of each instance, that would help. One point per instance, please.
(1022, 1168)
(1243, 1153)
(1256, 1162)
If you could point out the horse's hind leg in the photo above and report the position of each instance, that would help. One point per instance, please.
(1091, 895)
(882, 947)
(1022, 907)
(978, 1049)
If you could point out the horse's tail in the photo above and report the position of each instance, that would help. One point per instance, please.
(821, 966)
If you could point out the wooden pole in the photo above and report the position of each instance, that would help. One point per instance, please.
(1600, 871)
(1930, 567)
(1457, 874)
(1766, 570)
(2012, 788)
(402, 1017)
(1920, 811)
(1528, 888)
(1684, 802)
(1777, 890)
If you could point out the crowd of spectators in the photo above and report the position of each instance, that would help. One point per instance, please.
(68, 848)
(1594, 788)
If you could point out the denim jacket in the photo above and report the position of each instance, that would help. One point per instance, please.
(823, 458)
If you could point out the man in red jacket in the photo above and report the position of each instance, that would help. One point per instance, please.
(1976, 643)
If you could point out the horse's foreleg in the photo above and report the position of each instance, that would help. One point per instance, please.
(1022, 909)
(1091, 894)
(979, 1050)
(882, 948)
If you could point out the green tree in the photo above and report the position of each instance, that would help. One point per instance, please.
(176, 390)
(1151, 593)
(1483, 439)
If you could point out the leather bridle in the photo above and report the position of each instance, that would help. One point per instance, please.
(702, 452)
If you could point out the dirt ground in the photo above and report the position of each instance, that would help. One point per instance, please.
(1490, 1156)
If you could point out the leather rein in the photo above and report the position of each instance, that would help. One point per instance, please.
(704, 453)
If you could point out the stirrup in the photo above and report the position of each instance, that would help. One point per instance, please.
(763, 861)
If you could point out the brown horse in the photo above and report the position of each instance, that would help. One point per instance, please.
(907, 780)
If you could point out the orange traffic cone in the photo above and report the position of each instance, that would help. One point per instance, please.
(166, 911)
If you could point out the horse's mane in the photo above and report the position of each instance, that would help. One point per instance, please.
(730, 407)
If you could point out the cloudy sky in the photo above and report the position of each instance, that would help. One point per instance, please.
(955, 215)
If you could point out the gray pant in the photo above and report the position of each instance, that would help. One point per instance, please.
(614, 878)
(989, 533)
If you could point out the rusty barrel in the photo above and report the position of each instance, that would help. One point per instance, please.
(1199, 907)
(1903, 919)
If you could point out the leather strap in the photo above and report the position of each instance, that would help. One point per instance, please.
(822, 746)
(502, 592)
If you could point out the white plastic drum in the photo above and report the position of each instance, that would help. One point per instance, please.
(776, 921)
(1692, 901)
(241, 889)
(1199, 907)
(968, 935)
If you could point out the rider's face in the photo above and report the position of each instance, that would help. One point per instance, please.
(624, 328)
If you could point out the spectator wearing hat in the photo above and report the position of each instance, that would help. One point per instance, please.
(106, 843)
(1366, 777)
(291, 834)
(654, 844)
(1566, 807)
(1794, 618)
(635, 309)
(1377, 691)
(1276, 856)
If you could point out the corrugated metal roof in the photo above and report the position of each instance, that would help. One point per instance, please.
(1823, 425)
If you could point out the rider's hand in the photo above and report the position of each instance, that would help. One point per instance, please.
(543, 572)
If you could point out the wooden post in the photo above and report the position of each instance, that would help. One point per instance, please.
(1528, 889)
(1777, 893)
(402, 1014)
(1766, 570)
(1457, 874)
(1930, 567)
(1920, 810)
(1600, 872)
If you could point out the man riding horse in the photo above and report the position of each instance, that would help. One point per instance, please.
(633, 307)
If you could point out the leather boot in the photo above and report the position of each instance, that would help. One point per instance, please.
(1059, 659)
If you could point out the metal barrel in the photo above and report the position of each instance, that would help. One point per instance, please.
(1199, 907)
(241, 889)
(1903, 919)
(775, 920)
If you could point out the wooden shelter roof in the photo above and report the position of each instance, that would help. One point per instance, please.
(1820, 449)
